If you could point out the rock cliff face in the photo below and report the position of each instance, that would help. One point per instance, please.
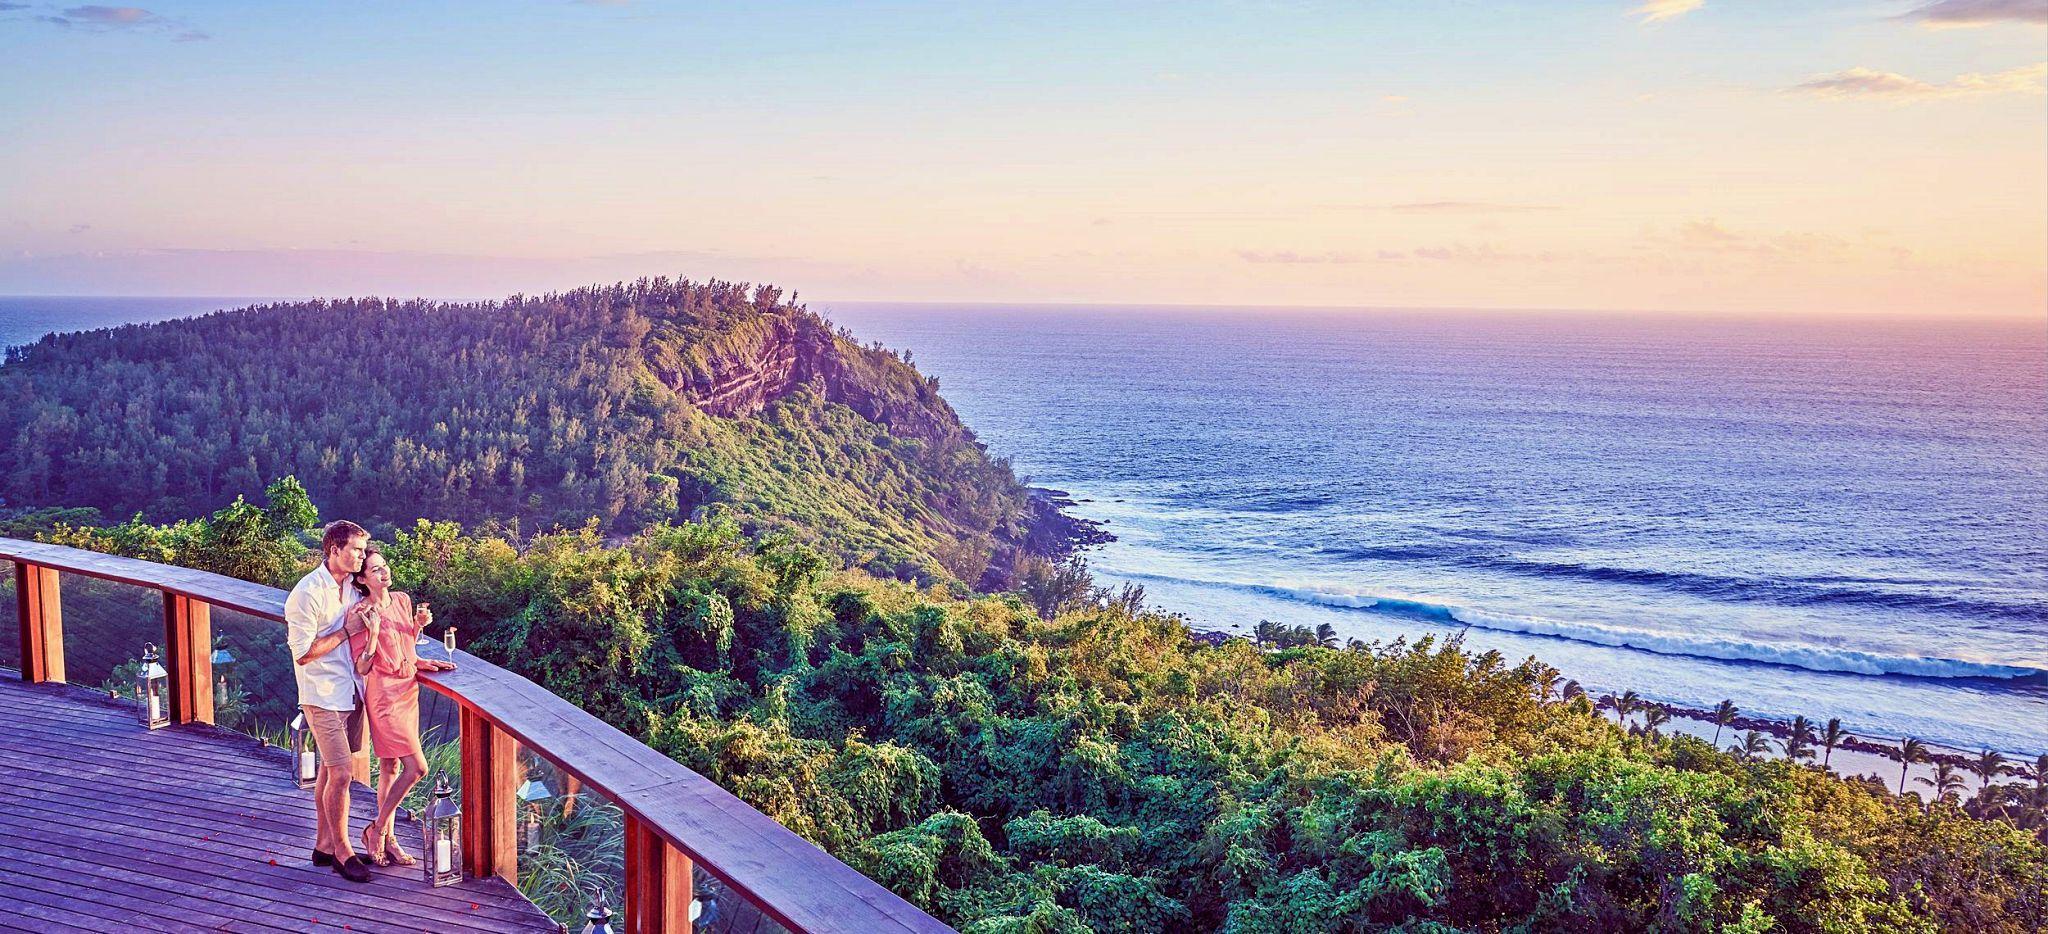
(744, 383)
(745, 373)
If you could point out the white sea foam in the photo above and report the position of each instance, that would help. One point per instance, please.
(1792, 654)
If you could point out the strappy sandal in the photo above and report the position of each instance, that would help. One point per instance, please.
(370, 854)
(395, 853)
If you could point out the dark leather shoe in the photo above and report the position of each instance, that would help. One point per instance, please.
(353, 869)
(322, 858)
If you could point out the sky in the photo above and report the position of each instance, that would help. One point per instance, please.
(1817, 157)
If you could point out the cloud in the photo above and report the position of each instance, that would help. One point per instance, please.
(1950, 14)
(110, 15)
(1468, 207)
(10, 7)
(1657, 11)
(1485, 254)
(1868, 82)
(1289, 257)
(109, 19)
(1707, 234)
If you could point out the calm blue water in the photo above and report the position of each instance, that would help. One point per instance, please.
(24, 320)
(1829, 519)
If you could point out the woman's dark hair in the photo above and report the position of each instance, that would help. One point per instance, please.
(357, 577)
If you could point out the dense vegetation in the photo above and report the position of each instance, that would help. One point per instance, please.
(1083, 764)
(633, 404)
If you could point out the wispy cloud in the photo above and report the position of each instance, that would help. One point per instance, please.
(109, 19)
(1943, 14)
(1464, 254)
(1708, 236)
(1468, 207)
(11, 7)
(1484, 254)
(1291, 257)
(1871, 83)
(1657, 11)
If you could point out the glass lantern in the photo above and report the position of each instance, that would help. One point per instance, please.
(441, 830)
(303, 764)
(153, 690)
(599, 918)
(531, 793)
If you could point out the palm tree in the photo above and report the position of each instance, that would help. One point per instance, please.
(1263, 632)
(1799, 745)
(1626, 704)
(1835, 736)
(1754, 745)
(1723, 715)
(1987, 766)
(1572, 688)
(1910, 751)
(1654, 717)
(1945, 781)
(2040, 771)
(1326, 635)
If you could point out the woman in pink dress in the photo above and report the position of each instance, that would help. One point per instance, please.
(385, 626)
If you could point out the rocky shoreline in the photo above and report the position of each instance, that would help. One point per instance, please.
(1049, 532)
(1055, 533)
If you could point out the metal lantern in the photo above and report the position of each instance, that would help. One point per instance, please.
(600, 914)
(303, 764)
(441, 829)
(533, 791)
(153, 690)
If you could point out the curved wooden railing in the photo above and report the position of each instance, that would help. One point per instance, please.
(673, 815)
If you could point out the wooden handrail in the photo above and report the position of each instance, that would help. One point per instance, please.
(691, 818)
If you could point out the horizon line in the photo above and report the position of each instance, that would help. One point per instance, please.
(2040, 315)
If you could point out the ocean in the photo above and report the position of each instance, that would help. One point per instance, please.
(1830, 518)
(1835, 518)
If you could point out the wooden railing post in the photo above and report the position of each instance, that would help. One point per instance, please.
(490, 760)
(37, 599)
(188, 657)
(657, 883)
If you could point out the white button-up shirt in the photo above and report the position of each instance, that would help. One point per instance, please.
(316, 607)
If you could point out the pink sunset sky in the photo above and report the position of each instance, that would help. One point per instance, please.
(1843, 156)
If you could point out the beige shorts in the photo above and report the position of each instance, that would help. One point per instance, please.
(337, 734)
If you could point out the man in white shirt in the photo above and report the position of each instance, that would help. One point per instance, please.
(330, 691)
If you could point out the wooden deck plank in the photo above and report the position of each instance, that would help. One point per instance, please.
(293, 869)
(105, 826)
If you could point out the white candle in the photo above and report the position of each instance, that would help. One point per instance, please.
(152, 707)
(306, 764)
(441, 855)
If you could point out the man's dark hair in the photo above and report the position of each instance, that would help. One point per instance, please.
(337, 535)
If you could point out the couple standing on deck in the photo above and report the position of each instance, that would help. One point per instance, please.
(352, 638)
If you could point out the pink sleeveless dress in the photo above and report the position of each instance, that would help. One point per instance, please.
(391, 689)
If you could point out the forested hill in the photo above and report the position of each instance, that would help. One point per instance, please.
(630, 403)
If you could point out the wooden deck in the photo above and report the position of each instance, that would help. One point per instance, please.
(107, 827)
